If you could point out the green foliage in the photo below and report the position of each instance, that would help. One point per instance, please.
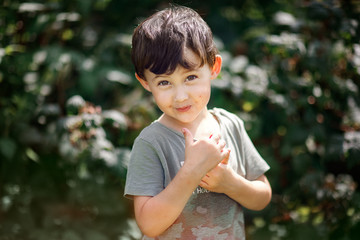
(296, 83)
(70, 110)
(63, 159)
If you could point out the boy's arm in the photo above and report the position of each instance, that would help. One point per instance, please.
(155, 214)
(254, 195)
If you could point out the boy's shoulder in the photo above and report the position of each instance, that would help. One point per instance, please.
(156, 132)
(150, 130)
(224, 115)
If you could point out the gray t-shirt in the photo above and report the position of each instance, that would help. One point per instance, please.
(157, 155)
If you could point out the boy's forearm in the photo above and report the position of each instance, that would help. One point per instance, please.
(254, 195)
(160, 212)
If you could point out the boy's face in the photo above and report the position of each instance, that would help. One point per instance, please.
(183, 95)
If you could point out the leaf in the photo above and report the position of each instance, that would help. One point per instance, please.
(32, 155)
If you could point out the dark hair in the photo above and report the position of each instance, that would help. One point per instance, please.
(159, 42)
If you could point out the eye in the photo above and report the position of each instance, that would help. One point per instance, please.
(191, 77)
(163, 83)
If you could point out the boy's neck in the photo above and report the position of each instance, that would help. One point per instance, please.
(203, 126)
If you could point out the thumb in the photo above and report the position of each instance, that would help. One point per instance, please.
(226, 159)
(188, 137)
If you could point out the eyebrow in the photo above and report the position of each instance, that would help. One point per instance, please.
(160, 76)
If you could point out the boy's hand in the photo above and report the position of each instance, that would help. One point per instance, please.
(216, 180)
(204, 154)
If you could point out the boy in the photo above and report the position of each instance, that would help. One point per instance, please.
(193, 169)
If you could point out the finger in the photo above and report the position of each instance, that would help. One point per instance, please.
(205, 178)
(188, 137)
(225, 161)
(222, 143)
(203, 184)
(215, 137)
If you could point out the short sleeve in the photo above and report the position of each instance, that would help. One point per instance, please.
(250, 164)
(145, 176)
(255, 165)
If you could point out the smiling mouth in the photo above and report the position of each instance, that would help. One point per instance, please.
(184, 109)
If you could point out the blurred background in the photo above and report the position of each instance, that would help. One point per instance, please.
(70, 109)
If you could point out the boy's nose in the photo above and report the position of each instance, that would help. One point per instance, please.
(180, 94)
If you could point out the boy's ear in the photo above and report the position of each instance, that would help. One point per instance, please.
(143, 82)
(217, 67)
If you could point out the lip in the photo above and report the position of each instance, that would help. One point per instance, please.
(183, 109)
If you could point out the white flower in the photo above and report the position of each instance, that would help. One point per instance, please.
(68, 16)
(118, 76)
(237, 85)
(31, 7)
(117, 117)
(289, 40)
(284, 18)
(257, 79)
(238, 64)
